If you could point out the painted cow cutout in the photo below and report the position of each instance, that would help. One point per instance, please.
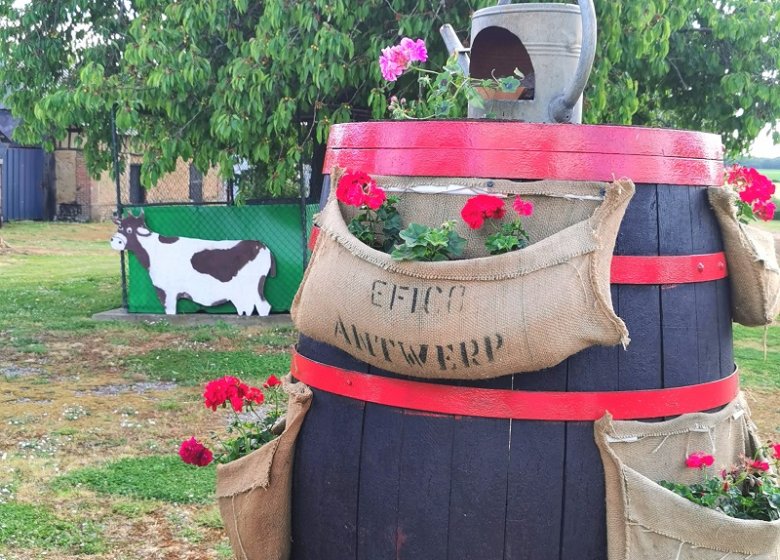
(206, 272)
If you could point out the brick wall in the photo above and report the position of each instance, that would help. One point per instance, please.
(82, 198)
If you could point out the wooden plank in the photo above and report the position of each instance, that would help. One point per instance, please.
(705, 235)
(478, 495)
(327, 467)
(725, 328)
(584, 533)
(424, 487)
(596, 368)
(534, 508)
(678, 329)
(639, 366)
(379, 482)
(583, 530)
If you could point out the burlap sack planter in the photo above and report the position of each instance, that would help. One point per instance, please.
(754, 273)
(645, 520)
(255, 492)
(480, 317)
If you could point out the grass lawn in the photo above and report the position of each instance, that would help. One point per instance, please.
(773, 174)
(93, 413)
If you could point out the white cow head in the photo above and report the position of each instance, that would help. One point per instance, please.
(129, 229)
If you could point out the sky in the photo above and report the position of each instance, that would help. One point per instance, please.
(763, 146)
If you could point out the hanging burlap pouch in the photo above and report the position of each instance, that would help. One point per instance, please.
(482, 316)
(754, 274)
(645, 520)
(255, 492)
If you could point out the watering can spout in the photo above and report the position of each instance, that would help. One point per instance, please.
(561, 107)
(454, 46)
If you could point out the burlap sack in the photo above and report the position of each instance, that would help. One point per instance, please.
(255, 492)
(754, 274)
(480, 317)
(646, 521)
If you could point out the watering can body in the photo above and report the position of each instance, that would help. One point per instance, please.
(553, 45)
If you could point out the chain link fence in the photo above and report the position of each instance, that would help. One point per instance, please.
(189, 203)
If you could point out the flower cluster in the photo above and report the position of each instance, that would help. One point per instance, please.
(251, 434)
(230, 389)
(480, 208)
(755, 193)
(397, 59)
(378, 223)
(356, 188)
(195, 453)
(509, 236)
(442, 94)
(749, 490)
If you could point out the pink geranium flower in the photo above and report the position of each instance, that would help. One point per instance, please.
(396, 60)
(393, 63)
(415, 51)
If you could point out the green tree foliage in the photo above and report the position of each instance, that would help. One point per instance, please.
(49, 52)
(225, 81)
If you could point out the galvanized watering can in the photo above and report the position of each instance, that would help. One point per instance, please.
(553, 45)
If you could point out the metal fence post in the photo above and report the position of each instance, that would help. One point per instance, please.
(119, 208)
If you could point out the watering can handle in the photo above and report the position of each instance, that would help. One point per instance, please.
(560, 108)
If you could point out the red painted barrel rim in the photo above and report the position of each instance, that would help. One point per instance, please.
(673, 269)
(511, 135)
(518, 150)
(556, 406)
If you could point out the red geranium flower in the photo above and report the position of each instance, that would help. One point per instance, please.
(481, 207)
(775, 449)
(764, 210)
(699, 460)
(272, 381)
(374, 196)
(254, 395)
(356, 188)
(522, 207)
(228, 388)
(759, 465)
(193, 452)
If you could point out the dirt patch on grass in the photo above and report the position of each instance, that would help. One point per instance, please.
(765, 409)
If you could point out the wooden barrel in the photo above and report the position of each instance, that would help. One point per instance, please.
(375, 482)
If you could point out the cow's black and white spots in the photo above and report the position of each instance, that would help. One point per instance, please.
(207, 272)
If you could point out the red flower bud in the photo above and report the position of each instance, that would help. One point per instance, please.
(272, 381)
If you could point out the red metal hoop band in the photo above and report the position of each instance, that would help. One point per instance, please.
(517, 405)
(684, 269)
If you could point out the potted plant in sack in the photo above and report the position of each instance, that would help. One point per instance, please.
(254, 471)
